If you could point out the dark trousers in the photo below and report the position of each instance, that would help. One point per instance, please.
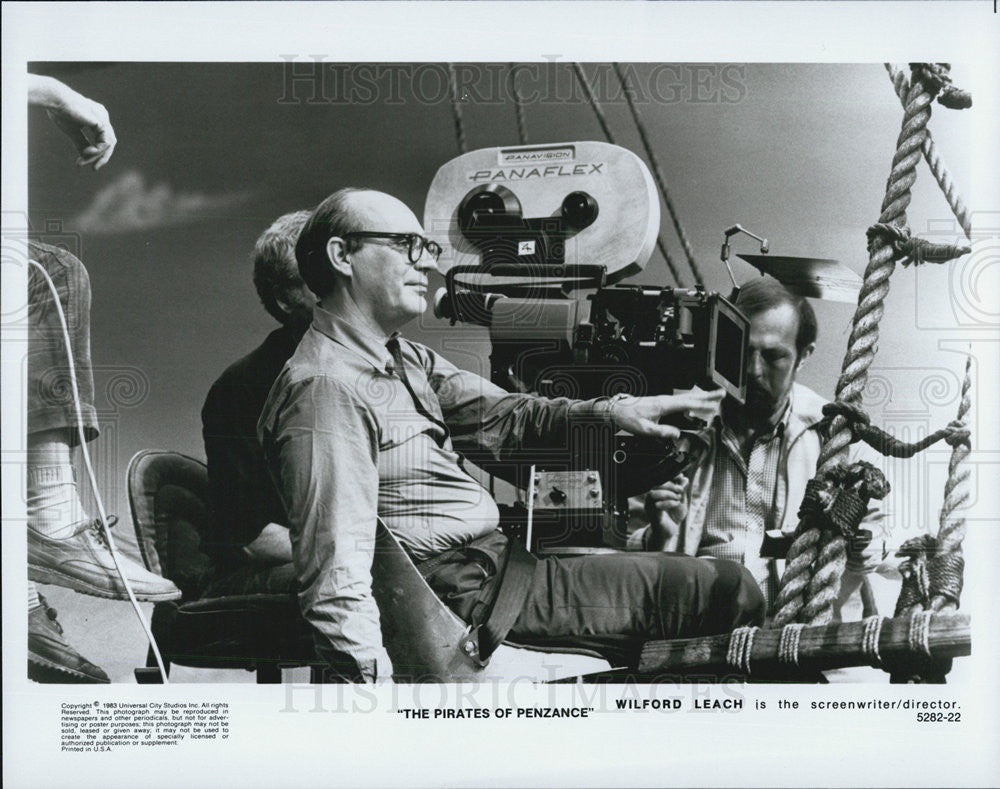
(613, 603)
(253, 578)
(610, 603)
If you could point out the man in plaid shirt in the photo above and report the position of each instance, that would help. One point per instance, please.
(751, 474)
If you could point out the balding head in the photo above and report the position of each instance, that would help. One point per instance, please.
(345, 211)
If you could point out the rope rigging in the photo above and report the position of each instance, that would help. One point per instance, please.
(456, 110)
(837, 498)
(948, 187)
(522, 126)
(817, 557)
(926, 632)
(603, 121)
(658, 175)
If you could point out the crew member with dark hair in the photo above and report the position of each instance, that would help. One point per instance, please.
(363, 425)
(251, 548)
(752, 471)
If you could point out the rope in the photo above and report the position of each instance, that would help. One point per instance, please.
(456, 109)
(816, 561)
(934, 566)
(740, 648)
(928, 572)
(937, 78)
(951, 529)
(934, 161)
(658, 175)
(788, 643)
(912, 250)
(835, 503)
(522, 127)
(920, 632)
(884, 443)
(603, 121)
(869, 639)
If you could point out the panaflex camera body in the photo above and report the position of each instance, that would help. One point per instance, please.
(542, 237)
(631, 339)
(542, 207)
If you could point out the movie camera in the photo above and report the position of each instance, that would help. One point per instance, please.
(542, 237)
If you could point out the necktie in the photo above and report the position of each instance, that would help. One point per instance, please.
(399, 368)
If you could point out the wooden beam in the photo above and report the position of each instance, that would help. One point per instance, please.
(821, 647)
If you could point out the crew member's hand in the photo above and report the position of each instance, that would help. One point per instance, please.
(670, 498)
(641, 415)
(83, 120)
(666, 508)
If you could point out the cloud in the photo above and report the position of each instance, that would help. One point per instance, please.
(128, 204)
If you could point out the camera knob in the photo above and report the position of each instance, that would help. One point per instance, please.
(579, 210)
(487, 207)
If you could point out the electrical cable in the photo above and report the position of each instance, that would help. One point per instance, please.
(92, 477)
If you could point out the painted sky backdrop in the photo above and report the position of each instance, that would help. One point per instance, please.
(210, 154)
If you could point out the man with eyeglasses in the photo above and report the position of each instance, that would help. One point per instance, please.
(362, 424)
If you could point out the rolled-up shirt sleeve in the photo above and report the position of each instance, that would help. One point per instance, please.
(321, 442)
(482, 416)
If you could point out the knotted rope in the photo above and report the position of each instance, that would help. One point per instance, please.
(816, 559)
(835, 503)
(912, 250)
(658, 175)
(741, 647)
(788, 643)
(934, 161)
(885, 443)
(603, 121)
(937, 78)
(933, 567)
(870, 637)
(928, 572)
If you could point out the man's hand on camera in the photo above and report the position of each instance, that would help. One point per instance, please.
(77, 117)
(641, 415)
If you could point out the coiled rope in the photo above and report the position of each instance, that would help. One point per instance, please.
(817, 557)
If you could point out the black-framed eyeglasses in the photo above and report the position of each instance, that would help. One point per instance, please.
(414, 243)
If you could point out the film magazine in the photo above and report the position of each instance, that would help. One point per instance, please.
(587, 197)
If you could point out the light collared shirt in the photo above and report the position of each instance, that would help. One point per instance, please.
(718, 521)
(748, 499)
(347, 444)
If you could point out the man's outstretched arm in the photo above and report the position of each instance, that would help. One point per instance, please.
(484, 416)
